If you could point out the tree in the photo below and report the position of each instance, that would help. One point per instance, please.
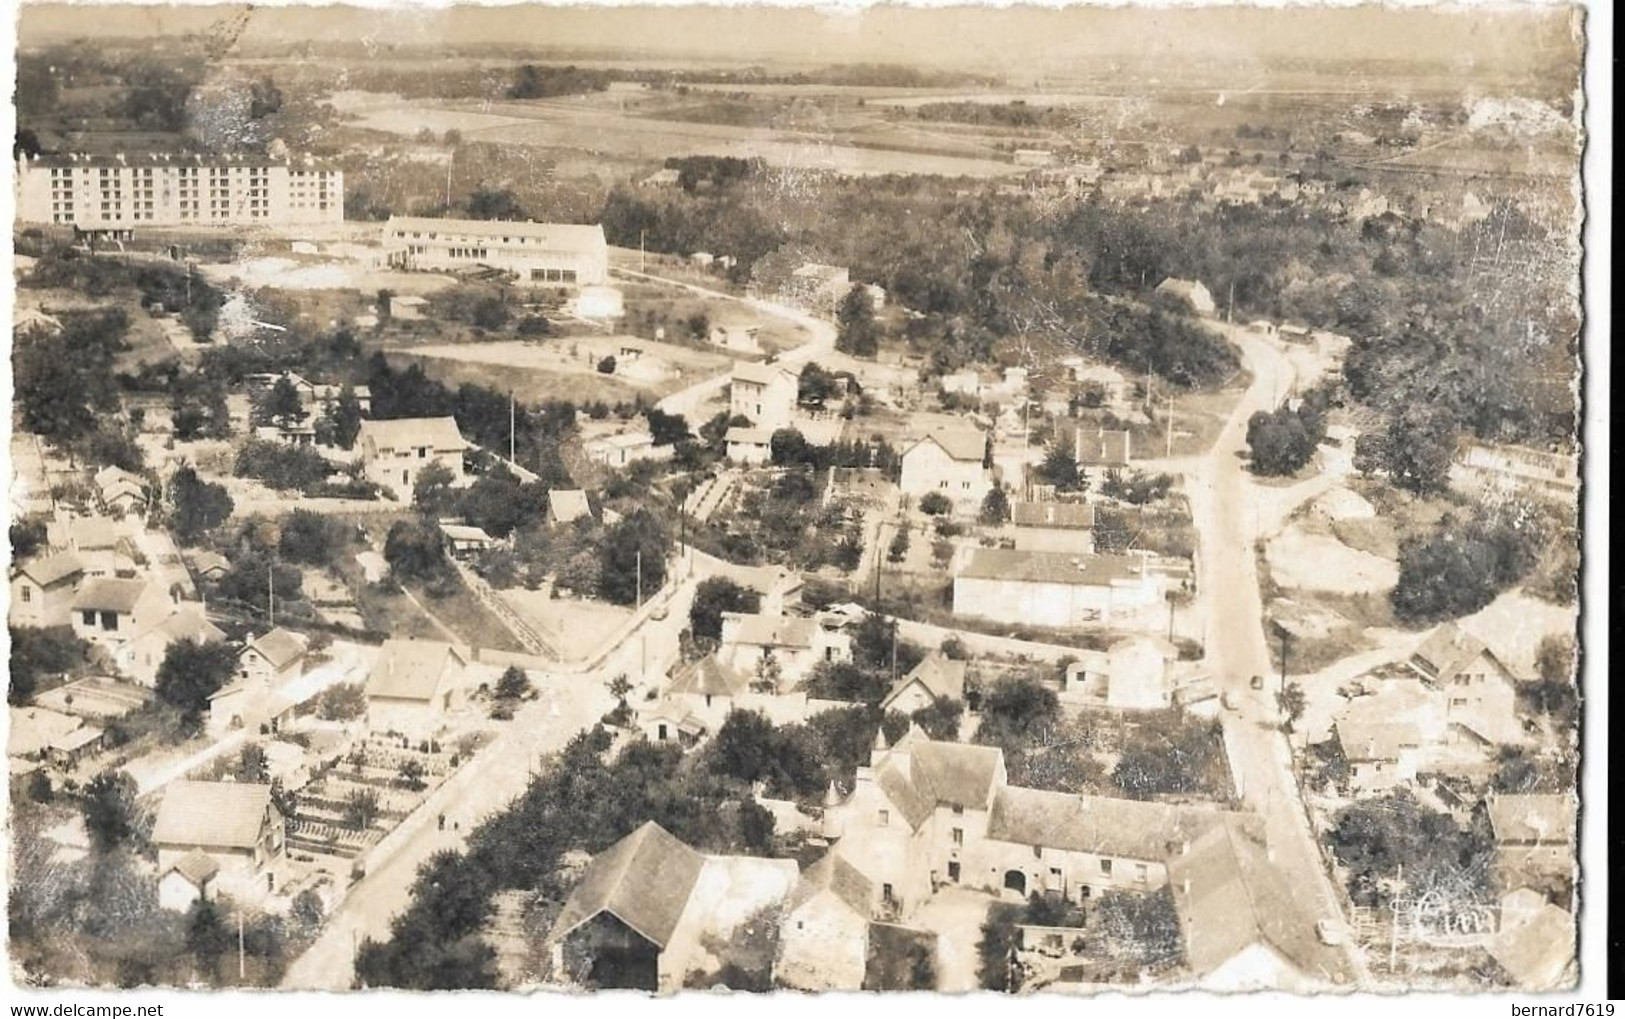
(207, 935)
(858, 333)
(940, 719)
(1170, 756)
(281, 406)
(1375, 838)
(111, 812)
(607, 365)
(935, 504)
(995, 508)
(432, 493)
(513, 685)
(252, 764)
(344, 417)
(493, 203)
(713, 597)
(898, 550)
(415, 552)
(27, 537)
(1291, 702)
(632, 558)
(1463, 565)
(196, 506)
(37, 652)
(756, 824)
(666, 429)
(1018, 712)
(816, 385)
(1143, 926)
(309, 538)
(1060, 468)
(342, 702)
(361, 809)
(191, 673)
(1279, 442)
(410, 774)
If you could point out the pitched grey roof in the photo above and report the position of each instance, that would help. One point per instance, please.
(47, 570)
(960, 444)
(1447, 651)
(1051, 567)
(833, 873)
(197, 867)
(440, 433)
(222, 814)
(1067, 515)
(644, 880)
(771, 631)
(1237, 899)
(1546, 818)
(1537, 952)
(113, 594)
(280, 646)
(940, 675)
(568, 504)
(1132, 829)
(710, 678)
(413, 669)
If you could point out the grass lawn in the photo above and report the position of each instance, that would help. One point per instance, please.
(474, 624)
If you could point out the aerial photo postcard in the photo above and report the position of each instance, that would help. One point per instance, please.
(561, 498)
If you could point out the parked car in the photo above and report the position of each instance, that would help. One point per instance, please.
(1230, 701)
(1332, 932)
(1257, 683)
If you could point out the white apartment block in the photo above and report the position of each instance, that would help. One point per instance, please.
(122, 192)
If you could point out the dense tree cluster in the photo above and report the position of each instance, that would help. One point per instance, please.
(1465, 563)
(1375, 838)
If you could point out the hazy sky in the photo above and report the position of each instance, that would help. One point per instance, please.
(965, 36)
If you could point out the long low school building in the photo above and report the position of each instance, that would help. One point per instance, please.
(1056, 589)
(563, 254)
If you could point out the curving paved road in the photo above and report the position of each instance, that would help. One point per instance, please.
(1224, 503)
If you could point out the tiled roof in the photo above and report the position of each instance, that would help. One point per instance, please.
(1103, 448)
(644, 880)
(1052, 567)
(1068, 515)
(1373, 740)
(941, 676)
(1447, 651)
(440, 433)
(960, 444)
(47, 570)
(1132, 829)
(187, 623)
(113, 594)
(833, 873)
(219, 814)
(1237, 898)
(709, 678)
(1537, 952)
(761, 373)
(413, 669)
(748, 436)
(771, 631)
(197, 867)
(280, 646)
(465, 532)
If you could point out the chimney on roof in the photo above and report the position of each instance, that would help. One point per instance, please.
(880, 748)
(1186, 886)
(120, 157)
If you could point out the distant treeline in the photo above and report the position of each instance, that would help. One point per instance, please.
(869, 75)
(1011, 114)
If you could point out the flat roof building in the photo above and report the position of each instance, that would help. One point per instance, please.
(566, 254)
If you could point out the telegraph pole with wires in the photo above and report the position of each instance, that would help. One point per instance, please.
(512, 419)
(640, 577)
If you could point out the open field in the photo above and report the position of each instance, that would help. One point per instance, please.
(536, 370)
(577, 626)
(590, 127)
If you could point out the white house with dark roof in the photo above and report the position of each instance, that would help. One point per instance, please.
(413, 685)
(763, 392)
(1100, 451)
(1480, 692)
(42, 590)
(273, 658)
(187, 880)
(749, 445)
(1381, 753)
(937, 676)
(394, 452)
(1136, 673)
(144, 654)
(625, 448)
(757, 644)
(648, 908)
(952, 463)
(824, 934)
(235, 823)
(111, 611)
(708, 690)
(1060, 590)
(1054, 526)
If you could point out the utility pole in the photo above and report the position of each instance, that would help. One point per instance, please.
(640, 577)
(641, 265)
(242, 954)
(1170, 453)
(270, 594)
(1170, 617)
(512, 415)
(1230, 316)
(451, 156)
(1283, 659)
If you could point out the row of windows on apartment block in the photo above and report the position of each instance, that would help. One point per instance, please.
(145, 173)
(957, 837)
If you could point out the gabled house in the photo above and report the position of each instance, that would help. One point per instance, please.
(749, 445)
(464, 541)
(234, 823)
(1481, 694)
(187, 880)
(950, 463)
(763, 392)
(42, 590)
(1054, 526)
(785, 647)
(1101, 451)
(824, 935)
(413, 685)
(96, 541)
(394, 452)
(669, 721)
(1535, 945)
(144, 654)
(708, 690)
(648, 908)
(119, 491)
(1381, 754)
(1244, 926)
(111, 611)
(272, 659)
(624, 448)
(567, 505)
(937, 676)
(1133, 674)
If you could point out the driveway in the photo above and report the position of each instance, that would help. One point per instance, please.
(955, 915)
